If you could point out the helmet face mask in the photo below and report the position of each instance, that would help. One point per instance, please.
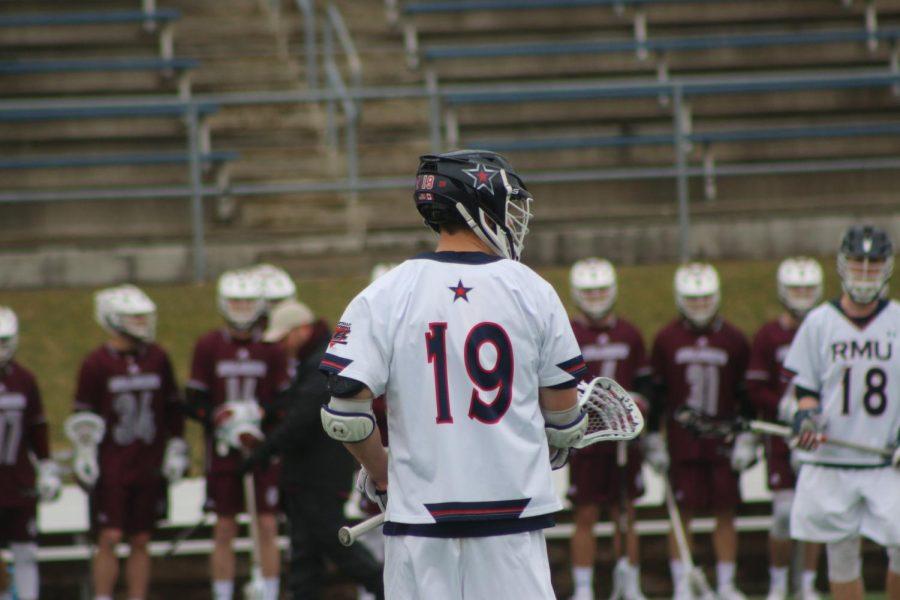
(594, 288)
(799, 285)
(9, 335)
(241, 301)
(865, 263)
(697, 293)
(126, 311)
(479, 189)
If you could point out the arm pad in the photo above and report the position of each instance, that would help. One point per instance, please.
(348, 421)
(565, 428)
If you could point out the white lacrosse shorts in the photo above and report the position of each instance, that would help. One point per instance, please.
(832, 504)
(496, 567)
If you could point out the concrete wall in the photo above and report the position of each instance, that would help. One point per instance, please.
(739, 237)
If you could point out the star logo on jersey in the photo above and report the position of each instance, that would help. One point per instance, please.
(482, 177)
(460, 291)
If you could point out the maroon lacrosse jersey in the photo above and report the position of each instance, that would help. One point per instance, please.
(766, 383)
(702, 369)
(616, 352)
(136, 394)
(230, 370)
(21, 423)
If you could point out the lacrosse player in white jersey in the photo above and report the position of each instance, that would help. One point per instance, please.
(846, 362)
(479, 365)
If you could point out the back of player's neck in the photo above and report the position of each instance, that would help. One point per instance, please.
(855, 310)
(461, 241)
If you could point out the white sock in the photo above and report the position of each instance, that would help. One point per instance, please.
(725, 575)
(808, 580)
(677, 569)
(223, 589)
(271, 584)
(583, 577)
(778, 578)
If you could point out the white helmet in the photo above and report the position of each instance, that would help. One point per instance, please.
(240, 297)
(9, 335)
(593, 285)
(380, 269)
(799, 285)
(697, 293)
(277, 284)
(126, 310)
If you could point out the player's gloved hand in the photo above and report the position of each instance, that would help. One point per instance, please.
(807, 428)
(559, 457)
(366, 486)
(655, 452)
(787, 407)
(238, 426)
(86, 469)
(743, 454)
(175, 460)
(49, 483)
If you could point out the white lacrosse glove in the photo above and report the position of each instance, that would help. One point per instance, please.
(238, 426)
(49, 483)
(175, 460)
(559, 457)
(655, 452)
(743, 454)
(366, 486)
(787, 406)
(85, 430)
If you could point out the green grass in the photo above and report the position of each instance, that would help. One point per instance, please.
(58, 329)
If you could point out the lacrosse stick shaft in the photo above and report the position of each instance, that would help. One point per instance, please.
(348, 535)
(684, 550)
(184, 535)
(784, 431)
(622, 463)
(250, 501)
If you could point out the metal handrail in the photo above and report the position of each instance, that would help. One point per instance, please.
(308, 10)
(339, 26)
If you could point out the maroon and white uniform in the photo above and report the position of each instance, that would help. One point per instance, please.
(705, 370)
(229, 369)
(23, 429)
(136, 394)
(618, 352)
(766, 385)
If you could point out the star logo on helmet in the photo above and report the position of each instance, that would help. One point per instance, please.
(482, 177)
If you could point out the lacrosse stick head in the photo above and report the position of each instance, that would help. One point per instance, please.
(703, 425)
(611, 412)
(85, 429)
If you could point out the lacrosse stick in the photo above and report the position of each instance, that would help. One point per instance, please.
(255, 589)
(612, 413)
(696, 580)
(705, 426)
(618, 591)
(179, 539)
(85, 430)
(349, 535)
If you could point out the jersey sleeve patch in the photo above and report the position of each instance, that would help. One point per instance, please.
(574, 367)
(334, 364)
(444, 512)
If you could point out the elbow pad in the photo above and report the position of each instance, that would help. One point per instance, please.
(565, 428)
(348, 421)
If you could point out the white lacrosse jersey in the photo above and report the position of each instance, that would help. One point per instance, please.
(460, 343)
(854, 366)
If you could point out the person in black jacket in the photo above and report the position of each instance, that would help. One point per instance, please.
(317, 472)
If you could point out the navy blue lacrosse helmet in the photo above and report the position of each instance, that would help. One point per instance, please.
(865, 262)
(478, 189)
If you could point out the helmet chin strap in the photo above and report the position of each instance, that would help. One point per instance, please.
(502, 250)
